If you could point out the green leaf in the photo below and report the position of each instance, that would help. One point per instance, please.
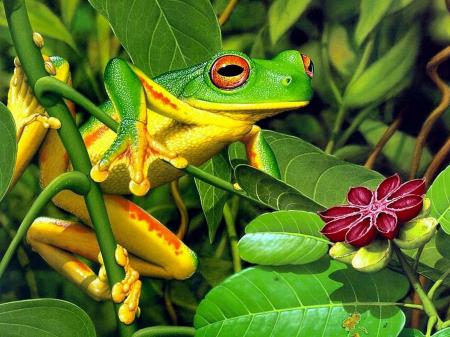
(341, 53)
(44, 318)
(8, 149)
(384, 74)
(439, 194)
(271, 191)
(442, 333)
(318, 176)
(212, 198)
(215, 270)
(160, 35)
(398, 150)
(283, 14)
(284, 237)
(44, 21)
(411, 333)
(371, 13)
(303, 301)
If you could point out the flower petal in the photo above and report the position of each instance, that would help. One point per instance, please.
(361, 233)
(386, 225)
(335, 230)
(406, 207)
(416, 187)
(387, 186)
(337, 212)
(359, 196)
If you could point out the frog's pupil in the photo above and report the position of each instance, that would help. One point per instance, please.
(230, 70)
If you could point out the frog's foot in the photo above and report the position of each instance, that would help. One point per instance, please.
(134, 144)
(24, 105)
(128, 290)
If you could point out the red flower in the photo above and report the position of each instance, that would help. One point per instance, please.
(369, 214)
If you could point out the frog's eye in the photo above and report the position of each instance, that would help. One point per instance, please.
(309, 65)
(229, 72)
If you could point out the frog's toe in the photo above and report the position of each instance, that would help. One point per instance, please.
(98, 174)
(128, 290)
(139, 189)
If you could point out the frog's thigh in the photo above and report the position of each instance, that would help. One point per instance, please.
(57, 240)
(141, 234)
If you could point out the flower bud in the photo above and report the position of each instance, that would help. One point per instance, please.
(373, 257)
(343, 252)
(416, 233)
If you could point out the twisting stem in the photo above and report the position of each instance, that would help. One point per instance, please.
(390, 131)
(360, 117)
(336, 128)
(428, 305)
(437, 161)
(184, 216)
(223, 18)
(432, 68)
(31, 59)
(437, 284)
(74, 181)
(232, 235)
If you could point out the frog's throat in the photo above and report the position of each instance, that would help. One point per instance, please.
(246, 111)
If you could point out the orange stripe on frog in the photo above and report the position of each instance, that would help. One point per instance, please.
(158, 95)
(91, 137)
(137, 213)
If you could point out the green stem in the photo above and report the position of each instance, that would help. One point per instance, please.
(232, 235)
(428, 305)
(412, 306)
(46, 85)
(169, 331)
(340, 117)
(74, 181)
(326, 66)
(363, 62)
(437, 284)
(357, 121)
(31, 59)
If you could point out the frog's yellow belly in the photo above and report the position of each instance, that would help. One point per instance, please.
(196, 143)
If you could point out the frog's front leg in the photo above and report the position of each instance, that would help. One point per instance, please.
(133, 141)
(259, 152)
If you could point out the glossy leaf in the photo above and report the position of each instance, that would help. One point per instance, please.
(161, 36)
(8, 149)
(341, 54)
(384, 74)
(371, 13)
(442, 333)
(44, 21)
(439, 194)
(212, 198)
(411, 333)
(283, 14)
(272, 192)
(44, 318)
(398, 150)
(321, 177)
(303, 301)
(284, 237)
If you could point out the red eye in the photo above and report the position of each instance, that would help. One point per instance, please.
(229, 72)
(308, 65)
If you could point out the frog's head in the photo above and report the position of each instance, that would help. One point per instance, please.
(242, 88)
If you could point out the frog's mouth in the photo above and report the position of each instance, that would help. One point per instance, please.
(247, 111)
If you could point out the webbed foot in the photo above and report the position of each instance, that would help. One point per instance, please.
(135, 144)
(128, 291)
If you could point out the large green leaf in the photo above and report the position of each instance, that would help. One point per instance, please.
(8, 149)
(321, 177)
(161, 35)
(439, 194)
(283, 237)
(44, 21)
(443, 333)
(398, 150)
(411, 333)
(273, 192)
(385, 74)
(371, 13)
(303, 301)
(44, 318)
(212, 198)
(283, 14)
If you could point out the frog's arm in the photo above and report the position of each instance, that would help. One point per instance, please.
(128, 98)
(259, 153)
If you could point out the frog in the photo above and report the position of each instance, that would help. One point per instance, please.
(178, 118)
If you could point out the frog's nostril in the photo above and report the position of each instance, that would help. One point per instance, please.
(286, 81)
